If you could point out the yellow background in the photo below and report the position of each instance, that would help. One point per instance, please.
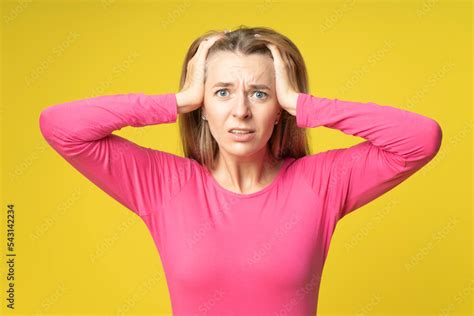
(79, 251)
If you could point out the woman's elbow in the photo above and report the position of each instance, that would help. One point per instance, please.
(433, 137)
(45, 124)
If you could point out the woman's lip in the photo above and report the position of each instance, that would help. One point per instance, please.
(242, 137)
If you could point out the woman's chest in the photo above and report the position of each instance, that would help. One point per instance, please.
(273, 239)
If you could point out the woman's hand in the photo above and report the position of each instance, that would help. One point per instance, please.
(286, 95)
(191, 96)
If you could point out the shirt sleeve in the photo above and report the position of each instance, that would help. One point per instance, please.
(397, 144)
(142, 179)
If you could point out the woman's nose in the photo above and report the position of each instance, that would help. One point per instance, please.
(241, 108)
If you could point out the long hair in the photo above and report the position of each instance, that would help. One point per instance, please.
(287, 139)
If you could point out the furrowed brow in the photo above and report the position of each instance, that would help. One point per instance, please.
(230, 84)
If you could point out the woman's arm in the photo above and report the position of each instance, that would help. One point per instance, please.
(142, 179)
(397, 144)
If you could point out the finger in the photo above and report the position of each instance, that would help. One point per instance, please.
(210, 40)
(276, 54)
(279, 65)
(202, 48)
(205, 45)
(202, 52)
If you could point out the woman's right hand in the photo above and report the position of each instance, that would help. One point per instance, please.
(191, 96)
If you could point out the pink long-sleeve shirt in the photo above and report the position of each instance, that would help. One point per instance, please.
(226, 253)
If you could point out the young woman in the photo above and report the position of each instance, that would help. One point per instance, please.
(244, 221)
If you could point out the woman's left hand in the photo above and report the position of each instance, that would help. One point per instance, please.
(286, 95)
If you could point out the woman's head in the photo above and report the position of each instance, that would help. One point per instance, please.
(234, 65)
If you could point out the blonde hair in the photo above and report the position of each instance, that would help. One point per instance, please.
(287, 139)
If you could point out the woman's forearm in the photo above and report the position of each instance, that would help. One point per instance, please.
(410, 136)
(94, 118)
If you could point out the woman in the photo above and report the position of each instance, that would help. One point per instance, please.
(244, 221)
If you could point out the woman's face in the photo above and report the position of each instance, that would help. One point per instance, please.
(240, 93)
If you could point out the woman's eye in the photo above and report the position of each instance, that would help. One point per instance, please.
(262, 93)
(217, 92)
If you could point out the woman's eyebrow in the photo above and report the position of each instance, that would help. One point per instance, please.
(230, 84)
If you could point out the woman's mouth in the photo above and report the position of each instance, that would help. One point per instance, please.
(241, 135)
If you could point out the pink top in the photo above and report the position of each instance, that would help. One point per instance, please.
(241, 254)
